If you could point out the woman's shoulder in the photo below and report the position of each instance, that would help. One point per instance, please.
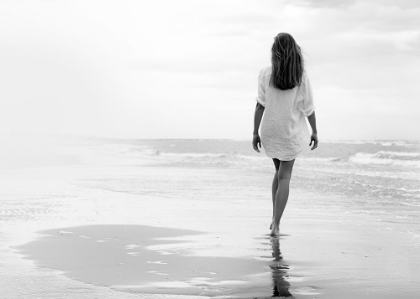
(305, 76)
(305, 79)
(265, 71)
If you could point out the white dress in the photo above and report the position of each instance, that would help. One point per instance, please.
(284, 132)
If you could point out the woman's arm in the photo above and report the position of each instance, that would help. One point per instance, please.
(314, 136)
(256, 140)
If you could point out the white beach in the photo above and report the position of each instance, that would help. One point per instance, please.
(102, 222)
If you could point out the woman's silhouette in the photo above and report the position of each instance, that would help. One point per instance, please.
(285, 99)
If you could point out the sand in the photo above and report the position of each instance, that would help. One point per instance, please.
(63, 234)
(320, 260)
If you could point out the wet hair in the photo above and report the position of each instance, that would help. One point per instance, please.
(287, 62)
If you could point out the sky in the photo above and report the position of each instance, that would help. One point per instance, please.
(188, 69)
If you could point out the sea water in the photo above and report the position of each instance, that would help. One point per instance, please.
(366, 177)
(384, 171)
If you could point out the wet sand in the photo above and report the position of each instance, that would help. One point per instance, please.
(70, 231)
(332, 259)
(143, 259)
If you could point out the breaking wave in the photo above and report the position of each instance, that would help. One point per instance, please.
(408, 159)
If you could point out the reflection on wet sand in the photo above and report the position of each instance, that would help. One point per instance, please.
(279, 271)
(141, 259)
(156, 260)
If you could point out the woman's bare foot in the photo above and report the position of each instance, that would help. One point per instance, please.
(272, 223)
(275, 231)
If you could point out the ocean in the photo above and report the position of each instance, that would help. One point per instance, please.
(380, 178)
(385, 172)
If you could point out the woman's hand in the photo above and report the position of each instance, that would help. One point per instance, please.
(314, 139)
(256, 140)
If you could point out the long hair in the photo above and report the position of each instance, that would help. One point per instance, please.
(287, 62)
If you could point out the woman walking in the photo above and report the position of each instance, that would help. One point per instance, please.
(285, 100)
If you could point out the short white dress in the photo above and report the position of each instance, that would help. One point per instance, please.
(284, 131)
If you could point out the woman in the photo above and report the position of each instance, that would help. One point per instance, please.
(285, 99)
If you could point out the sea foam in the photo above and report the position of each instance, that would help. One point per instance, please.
(408, 159)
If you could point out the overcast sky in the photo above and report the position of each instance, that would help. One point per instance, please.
(188, 69)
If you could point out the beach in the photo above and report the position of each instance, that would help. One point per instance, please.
(102, 218)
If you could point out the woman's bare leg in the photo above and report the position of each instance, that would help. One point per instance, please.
(282, 194)
(274, 187)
